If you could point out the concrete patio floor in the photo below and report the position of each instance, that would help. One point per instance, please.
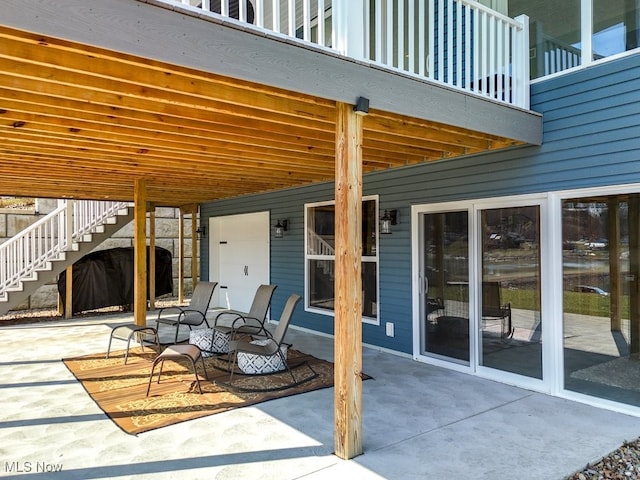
(419, 422)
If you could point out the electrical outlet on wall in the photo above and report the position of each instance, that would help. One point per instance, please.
(390, 332)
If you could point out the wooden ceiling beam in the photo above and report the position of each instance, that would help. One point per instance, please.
(94, 88)
(244, 181)
(63, 112)
(390, 142)
(132, 74)
(418, 151)
(148, 114)
(133, 146)
(416, 129)
(119, 156)
(127, 62)
(163, 194)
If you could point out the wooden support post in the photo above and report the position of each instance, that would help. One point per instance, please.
(181, 258)
(634, 272)
(152, 257)
(68, 293)
(615, 286)
(140, 252)
(348, 284)
(194, 247)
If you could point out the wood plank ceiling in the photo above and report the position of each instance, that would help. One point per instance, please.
(78, 121)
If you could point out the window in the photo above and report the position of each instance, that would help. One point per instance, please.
(601, 321)
(314, 31)
(320, 257)
(511, 321)
(497, 5)
(615, 27)
(554, 34)
(567, 34)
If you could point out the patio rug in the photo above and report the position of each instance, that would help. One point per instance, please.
(120, 390)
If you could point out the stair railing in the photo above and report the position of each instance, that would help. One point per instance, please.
(318, 246)
(88, 215)
(47, 239)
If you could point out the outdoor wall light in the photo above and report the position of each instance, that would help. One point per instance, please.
(281, 227)
(362, 106)
(201, 231)
(389, 218)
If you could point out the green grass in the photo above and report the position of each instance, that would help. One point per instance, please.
(521, 298)
(574, 302)
(592, 304)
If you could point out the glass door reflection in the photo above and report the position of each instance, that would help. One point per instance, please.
(510, 318)
(445, 273)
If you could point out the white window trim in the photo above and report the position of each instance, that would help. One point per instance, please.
(369, 258)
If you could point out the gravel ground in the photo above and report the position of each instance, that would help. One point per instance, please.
(623, 463)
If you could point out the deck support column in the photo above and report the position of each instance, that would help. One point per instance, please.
(348, 283)
(193, 211)
(181, 256)
(152, 257)
(634, 272)
(615, 287)
(194, 247)
(68, 301)
(140, 252)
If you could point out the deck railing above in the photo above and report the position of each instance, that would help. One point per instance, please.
(460, 43)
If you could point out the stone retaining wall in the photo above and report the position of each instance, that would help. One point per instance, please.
(13, 221)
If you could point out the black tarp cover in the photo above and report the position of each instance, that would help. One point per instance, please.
(105, 278)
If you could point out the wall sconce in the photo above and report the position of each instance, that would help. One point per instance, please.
(201, 231)
(281, 227)
(389, 218)
(362, 106)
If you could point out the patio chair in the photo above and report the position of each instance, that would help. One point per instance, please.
(494, 310)
(179, 353)
(266, 354)
(251, 322)
(215, 341)
(193, 315)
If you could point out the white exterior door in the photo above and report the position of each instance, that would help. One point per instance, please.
(239, 253)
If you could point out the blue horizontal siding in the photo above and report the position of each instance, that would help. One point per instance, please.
(591, 138)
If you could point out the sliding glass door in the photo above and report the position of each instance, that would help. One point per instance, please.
(479, 287)
(510, 319)
(445, 281)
